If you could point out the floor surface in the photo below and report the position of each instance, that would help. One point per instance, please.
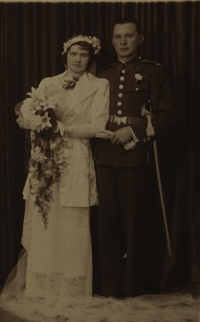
(194, 290)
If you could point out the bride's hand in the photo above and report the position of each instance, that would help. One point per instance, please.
(104, 134)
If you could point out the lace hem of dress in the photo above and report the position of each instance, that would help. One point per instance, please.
(57, 284)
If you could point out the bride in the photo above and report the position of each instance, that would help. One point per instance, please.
(56, 262)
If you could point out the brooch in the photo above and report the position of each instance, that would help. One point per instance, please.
(69, 82)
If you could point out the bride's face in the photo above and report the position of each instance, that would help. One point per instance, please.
(77, 59)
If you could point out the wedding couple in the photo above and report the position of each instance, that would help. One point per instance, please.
(56, 262)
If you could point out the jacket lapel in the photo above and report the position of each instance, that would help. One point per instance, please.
(85, 87)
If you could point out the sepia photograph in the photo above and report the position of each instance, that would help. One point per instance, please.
(99, 161)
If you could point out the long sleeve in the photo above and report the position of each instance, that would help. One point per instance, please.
(163, 106)
(162, 99)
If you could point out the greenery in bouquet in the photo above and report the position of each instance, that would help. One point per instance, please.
(38, 114)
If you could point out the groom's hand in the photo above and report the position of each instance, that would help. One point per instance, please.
(122, 136)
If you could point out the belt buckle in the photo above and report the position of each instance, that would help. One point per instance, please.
(117, 120)
(120, 120)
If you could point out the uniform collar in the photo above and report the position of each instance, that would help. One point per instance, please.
(128, 65)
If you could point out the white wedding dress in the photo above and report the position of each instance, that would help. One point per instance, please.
(56, 263)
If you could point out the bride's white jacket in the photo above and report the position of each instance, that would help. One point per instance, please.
(88, 107)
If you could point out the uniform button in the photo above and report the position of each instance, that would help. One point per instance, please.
(121, 78)
(119, 112)
(123, 71)
(139, 57)
(136, 89)
(144, 140)
(121, 86)
(119, 103)
(120, 95)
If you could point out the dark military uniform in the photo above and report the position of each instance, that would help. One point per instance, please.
(125, 176)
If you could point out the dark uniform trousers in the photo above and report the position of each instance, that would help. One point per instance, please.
(126, 179)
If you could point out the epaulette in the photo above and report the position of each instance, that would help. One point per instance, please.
(151, 62)
(107, 66)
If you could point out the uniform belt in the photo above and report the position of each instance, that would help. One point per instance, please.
(125, 119)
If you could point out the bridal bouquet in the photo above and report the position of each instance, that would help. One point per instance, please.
(38, 114)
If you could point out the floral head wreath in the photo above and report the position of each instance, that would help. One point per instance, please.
(94, 41)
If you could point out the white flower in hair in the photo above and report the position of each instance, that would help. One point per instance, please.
(96, 44)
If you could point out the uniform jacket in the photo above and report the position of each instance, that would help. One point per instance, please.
(133, 85)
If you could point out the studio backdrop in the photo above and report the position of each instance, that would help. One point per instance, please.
(32, 36)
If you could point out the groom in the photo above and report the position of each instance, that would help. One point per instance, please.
(126, 177)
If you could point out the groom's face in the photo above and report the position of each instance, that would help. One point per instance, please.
(126, 40)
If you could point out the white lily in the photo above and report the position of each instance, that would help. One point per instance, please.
(48, 103)
(60, 127)
(46, 121)
(35, 93)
